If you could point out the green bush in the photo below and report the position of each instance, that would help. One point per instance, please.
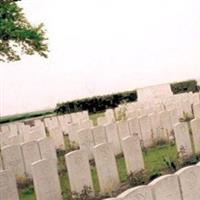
(184, 86)
(97, 103)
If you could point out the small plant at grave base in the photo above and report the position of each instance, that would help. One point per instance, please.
(171, 166)
(159, 142)
(154, 175)
(138, 178)
(24, 182)
(188, 160)
(87, 194)
(70, 145)
(187, 117)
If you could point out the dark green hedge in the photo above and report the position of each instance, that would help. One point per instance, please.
(97, 103)
(101, 103)
(184, 86)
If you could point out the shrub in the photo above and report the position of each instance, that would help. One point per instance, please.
(138, 178)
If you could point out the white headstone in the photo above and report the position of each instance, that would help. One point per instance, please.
(137, 193)
(134, 127)
(86, 141)
(195, 127)
(182, 137)
(13, 159)
(133, 154)
(113, 137)
(46, 180)
(99, 135)
(106, 167)
(58, 138)
(8, 186)
(189, 178)
(123, 129)
(166, 188)
(47, 149)
(145, 127)
(78, 169)
(31, 153)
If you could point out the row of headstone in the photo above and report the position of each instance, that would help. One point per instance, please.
(45, 179)
(107, 172)
(18, 158)
(183, 185)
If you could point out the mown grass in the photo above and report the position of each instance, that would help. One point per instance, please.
(153, 158)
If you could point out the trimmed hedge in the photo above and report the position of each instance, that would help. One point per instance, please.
(97, 103)
(101, 103)
(185, 86)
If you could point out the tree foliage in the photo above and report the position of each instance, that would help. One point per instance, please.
(17, 35)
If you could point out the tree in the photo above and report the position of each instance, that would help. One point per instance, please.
(17, 35)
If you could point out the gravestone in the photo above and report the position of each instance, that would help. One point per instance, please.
(86, 141)
(134, 127)
(166, 124)
(46, 180)
(8, 186)
(183, 141)
(195, 127)
(189, 178)
(145, 127)
(166, 188)
(78, 169)
(47, 149)
(133, 154)
(58, 138)
(31, 154)
(113, 137)
(13, 159)
(106, 168)
(123, 129)
(137, 193)
(156, 127)
(73, 129)
(99, 135)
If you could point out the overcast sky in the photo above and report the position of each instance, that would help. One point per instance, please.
(103, 46)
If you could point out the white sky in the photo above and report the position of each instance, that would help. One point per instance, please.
(103, 46)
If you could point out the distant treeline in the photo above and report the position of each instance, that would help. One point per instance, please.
(101, 103)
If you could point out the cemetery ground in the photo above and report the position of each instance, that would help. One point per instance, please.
(160, 159)
(157, 162)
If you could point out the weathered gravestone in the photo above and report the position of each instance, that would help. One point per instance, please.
(137, 193)
(113, 137)
(106, 167)
(47, 149)
(183, 141)
(195, 127)
(189, 178)
(134, 127)
(145, 127)
(46, 180)
(58, 138)
(86, 141)
(99, 135)
(31, 154)
(133, 154)
(123, 129)
(8, 186)
(13, 159)
(166, 188)
(78, 168)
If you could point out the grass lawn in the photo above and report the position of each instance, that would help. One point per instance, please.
(154, 162)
